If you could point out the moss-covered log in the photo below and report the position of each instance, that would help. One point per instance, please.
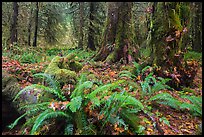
(64, 68)
(10, 88)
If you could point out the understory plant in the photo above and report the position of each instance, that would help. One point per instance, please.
(88, 110)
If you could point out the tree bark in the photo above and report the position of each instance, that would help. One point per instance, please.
(29, 25)
(91, 44)
(81, 35)
(118, 36)
(14, 23)
(36, 26)
(168, 31)
(197, 27)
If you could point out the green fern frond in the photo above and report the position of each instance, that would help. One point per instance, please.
(29, 123)
(171, 102)
(69, 129)
(80, 88)
(11, 126)
(145, 68)
(195, 100)
(158, 86)
(161, 96)
(130, 118)
(31, 106)
(195, 107)
(75, 103)
(145, 87)
(128, 100)
(37, 86)
(47, 114)
(52, 83)
(137, 68)
(82, 79)
(127, 74)
(163, 80)
(103, 88)
(166, 99)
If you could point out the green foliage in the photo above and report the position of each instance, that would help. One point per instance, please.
(166, 99)
(152, 85)
(47, 114)
(192, 55)
(50, 80)
(75, 103)
(16, 121)
(28, 58)
(126, 73)
(195, 107)
(69, 129)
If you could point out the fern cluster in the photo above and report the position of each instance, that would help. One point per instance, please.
(91, 107)
(116, 109)
(195, 107)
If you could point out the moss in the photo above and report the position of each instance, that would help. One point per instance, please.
(92, 77)
(66, 76)
(64, 68)
(110, 58)
(70, 56)
(75, 66)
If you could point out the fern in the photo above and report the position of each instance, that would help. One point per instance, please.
(11, 126)
(128, 100)
(130, 118)
(103, 88)
(51, 90)
(69, 129)
(52, 83)
(137, 68)
(145, 68)
(75, 103)
(38, 105)
(47, 114)
(80, 88)
(195, 107)
(166, 99)
(127, 74)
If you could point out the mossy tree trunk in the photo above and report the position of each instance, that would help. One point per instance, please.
(169, 26)
(29, 25)
(197, 27)
(91, 33)
(36, 25)
(118, 37)
(14, 23)
(81, 25)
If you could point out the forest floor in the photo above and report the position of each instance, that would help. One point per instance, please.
(181, 123)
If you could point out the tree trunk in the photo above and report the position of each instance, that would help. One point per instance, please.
(197, 27)
(168, 31)
(81, 35)
(118, 36)
(29, 25)
(14, 23)
(91, 44)
(36, 26)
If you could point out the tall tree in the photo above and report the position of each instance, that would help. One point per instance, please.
(29, 25)
(197, 27)
(91, 44)
(14, 23)
(118, 37)
(36, 25)
(168, 27)
(81, 24)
